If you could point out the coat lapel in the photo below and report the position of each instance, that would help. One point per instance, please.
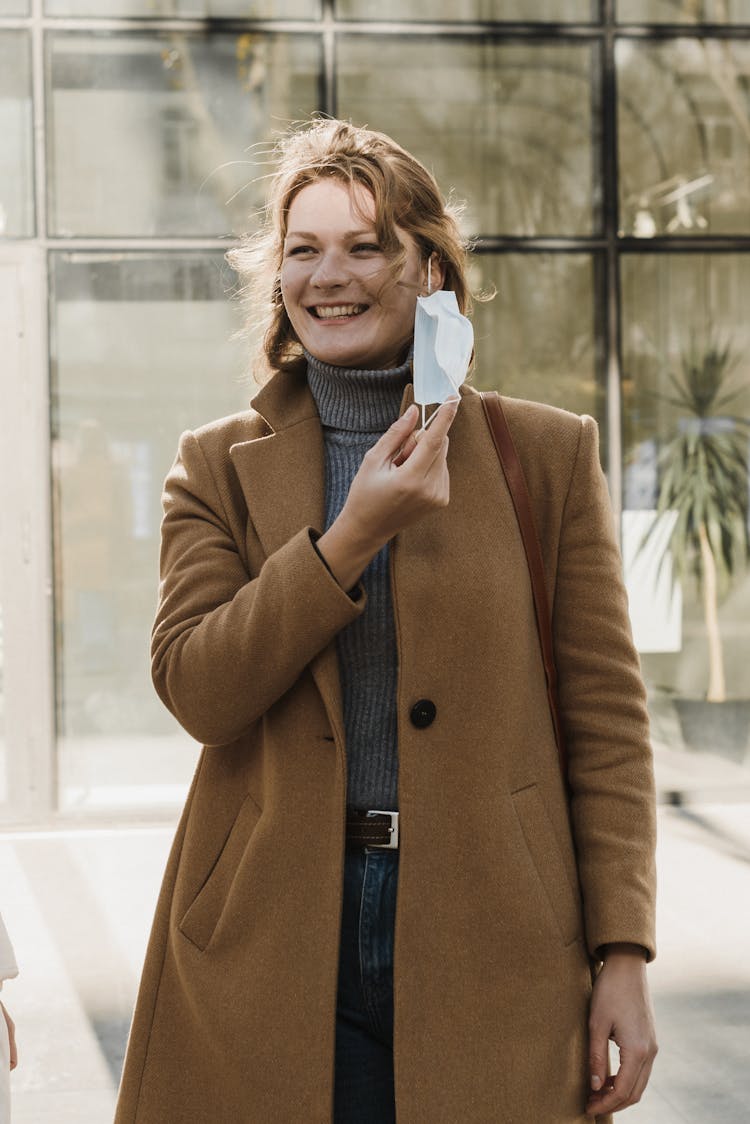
(289, 455)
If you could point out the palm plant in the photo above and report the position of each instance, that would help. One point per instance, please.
(704, 480)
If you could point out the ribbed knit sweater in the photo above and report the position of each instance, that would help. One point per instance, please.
(356, 407)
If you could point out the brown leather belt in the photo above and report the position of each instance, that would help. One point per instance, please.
(371, 829)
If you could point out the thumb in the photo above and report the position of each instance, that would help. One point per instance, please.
(598, 1059)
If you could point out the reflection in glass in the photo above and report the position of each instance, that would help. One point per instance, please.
(681, 311)
(169, 133)
(684, 137)
(548, 11)
(508, 126)
(141, 352)
(683, 11)
(16, 163)
(535, 339)
(250, 9)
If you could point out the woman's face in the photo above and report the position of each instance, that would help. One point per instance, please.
(332, 278)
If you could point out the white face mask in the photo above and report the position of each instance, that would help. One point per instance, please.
(443, 342)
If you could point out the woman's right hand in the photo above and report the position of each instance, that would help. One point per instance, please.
(401, 478)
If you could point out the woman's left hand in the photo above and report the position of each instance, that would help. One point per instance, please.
(11, 1037)
(620, 1010)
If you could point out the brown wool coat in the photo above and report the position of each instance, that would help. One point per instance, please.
(496, 920)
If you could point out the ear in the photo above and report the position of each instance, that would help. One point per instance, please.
(435, 273)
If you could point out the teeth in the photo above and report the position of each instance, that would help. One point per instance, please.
(330, 311)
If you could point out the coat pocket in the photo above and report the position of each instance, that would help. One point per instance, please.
(201, 918)
(544, 851)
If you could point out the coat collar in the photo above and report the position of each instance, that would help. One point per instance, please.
(291, 452)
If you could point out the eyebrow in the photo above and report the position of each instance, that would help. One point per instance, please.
(311, 236)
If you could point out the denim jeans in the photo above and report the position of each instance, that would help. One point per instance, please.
(363, 1087)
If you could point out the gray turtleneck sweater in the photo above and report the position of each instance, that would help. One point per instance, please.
(356, 408)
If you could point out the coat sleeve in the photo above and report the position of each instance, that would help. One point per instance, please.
(225, 647)
(604, 714)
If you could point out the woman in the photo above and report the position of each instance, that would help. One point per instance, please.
(346, 623)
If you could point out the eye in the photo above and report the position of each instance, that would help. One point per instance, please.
(295, 251)
(368, 247)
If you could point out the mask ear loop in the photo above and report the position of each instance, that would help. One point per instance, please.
(429, 291)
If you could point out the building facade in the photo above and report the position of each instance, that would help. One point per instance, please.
(603, 153)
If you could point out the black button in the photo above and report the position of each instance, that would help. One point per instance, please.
(423, 713)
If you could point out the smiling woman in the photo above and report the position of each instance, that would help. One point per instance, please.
(378, 904)
(337, 289)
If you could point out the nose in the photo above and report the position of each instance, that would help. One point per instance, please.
(330, 270)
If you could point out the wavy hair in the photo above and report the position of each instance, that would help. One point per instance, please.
(406, 196)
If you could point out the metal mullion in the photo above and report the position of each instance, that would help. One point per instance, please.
(197, 26)
(611, 307)
(706, 244)
(328, 90)
(489, 244)
(683, 31)
(38, 682)
(27, 573)
(473, 28)
(554, 33)
(139, 245)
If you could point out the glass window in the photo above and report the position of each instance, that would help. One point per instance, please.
(536, 338)
(686, 369)
(508, 126)
(141, 352)
(16, 162)
(169, 133)
(683, 11)
(549, 11)
(684, 137)
(250, 9)
(14, 8)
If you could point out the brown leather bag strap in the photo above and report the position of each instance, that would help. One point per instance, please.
(519, 493)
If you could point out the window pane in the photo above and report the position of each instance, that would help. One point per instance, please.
(684, 137)
(14, 7)
(549, 11)
(683, 11)
(141, 352)
(251, 9)
(536, 338)
(508, 126)
(682, 311)
(166, 133)
(16, 163)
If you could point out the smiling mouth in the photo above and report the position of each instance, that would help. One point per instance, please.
(337, 311)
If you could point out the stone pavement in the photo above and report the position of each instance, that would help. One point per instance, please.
(78, 905)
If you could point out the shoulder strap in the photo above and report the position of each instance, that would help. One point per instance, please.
(519, 493)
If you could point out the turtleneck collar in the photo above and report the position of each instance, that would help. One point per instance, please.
(365, 401)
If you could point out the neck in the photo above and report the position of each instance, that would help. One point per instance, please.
(351, 398)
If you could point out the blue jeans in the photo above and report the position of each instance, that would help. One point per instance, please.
(363, 1087)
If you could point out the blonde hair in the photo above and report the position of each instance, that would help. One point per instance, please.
(406, 195)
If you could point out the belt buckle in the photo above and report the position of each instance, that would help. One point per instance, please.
(392, 844)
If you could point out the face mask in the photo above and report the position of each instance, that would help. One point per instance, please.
(443, 342)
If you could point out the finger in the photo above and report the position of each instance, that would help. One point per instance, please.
(406, 449)
(623, 1084)
(598, 1057)
(642, 1081)
(394, 437)
(433, 441)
